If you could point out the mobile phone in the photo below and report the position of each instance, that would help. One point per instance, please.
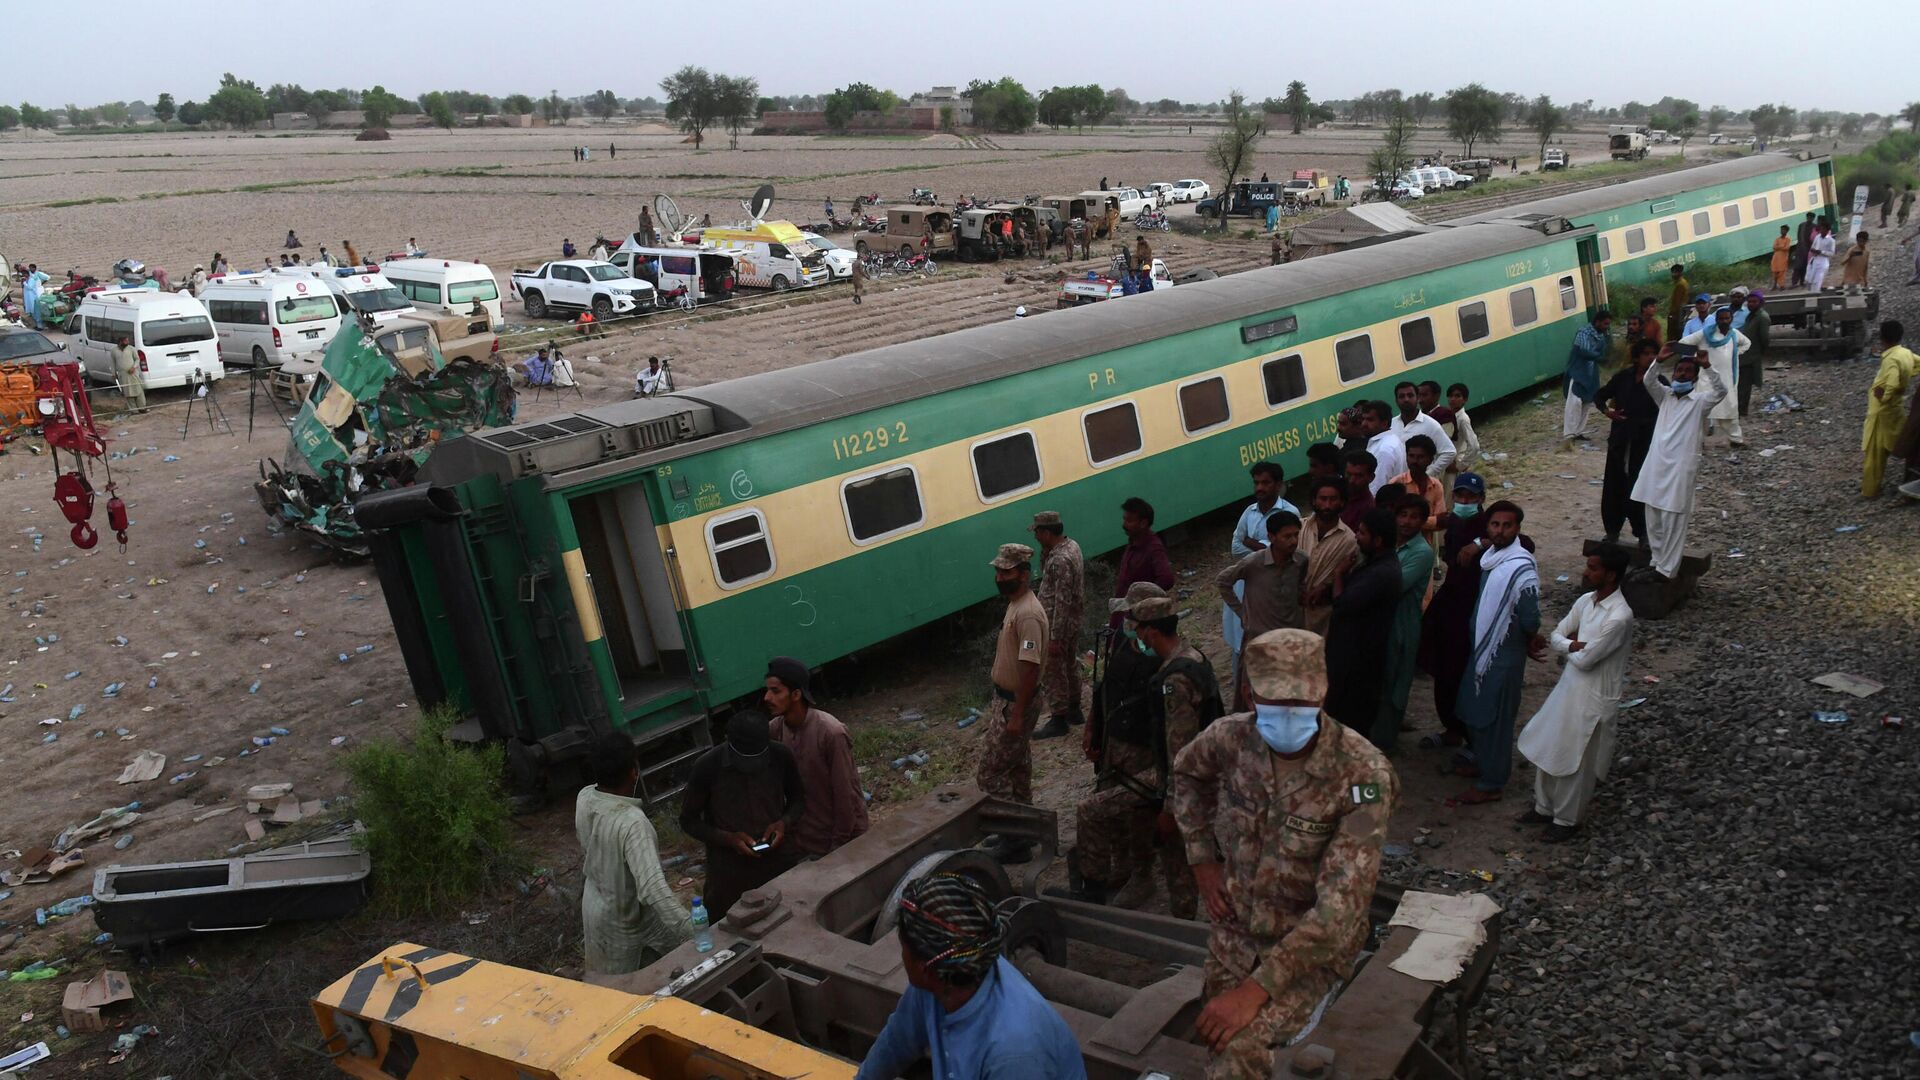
(763, 846)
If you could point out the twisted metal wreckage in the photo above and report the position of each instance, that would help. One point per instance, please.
(371, 419)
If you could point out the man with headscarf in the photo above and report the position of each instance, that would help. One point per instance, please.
(1506, 630)
(1723, 346)
(1583, 375)
(742, 800)
(628, 912)
(1666, 481)
(823, 752)
(1284, 812)
(967, 1010)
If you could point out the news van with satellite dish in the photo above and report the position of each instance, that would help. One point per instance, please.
(767, 254)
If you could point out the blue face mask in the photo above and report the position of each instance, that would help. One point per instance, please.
(1286, 728)
(1465, 510)
(1683, 387)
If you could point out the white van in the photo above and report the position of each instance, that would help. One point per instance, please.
(269, 318)
(681, 276)
(171, 335)
(358, 289)
(447, 286)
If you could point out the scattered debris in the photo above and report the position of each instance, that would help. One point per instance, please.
(146, 765)
(82, 1006)
(1835, 716)
(1849, 684)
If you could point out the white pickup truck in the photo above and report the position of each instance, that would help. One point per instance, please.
(581, 285)
(1130, 200)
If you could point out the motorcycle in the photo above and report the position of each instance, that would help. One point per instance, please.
(922, 197)
(1151, 220)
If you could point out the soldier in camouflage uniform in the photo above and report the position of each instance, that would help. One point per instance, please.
(1006, 754)
(1119, 743)
(1284, 812)
(1063, 593)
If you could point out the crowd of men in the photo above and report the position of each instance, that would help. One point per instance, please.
(1262, 801)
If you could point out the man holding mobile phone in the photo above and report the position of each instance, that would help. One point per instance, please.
(742, 799)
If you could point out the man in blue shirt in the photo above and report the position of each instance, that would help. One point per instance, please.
(967, 1010)
(1583, 374)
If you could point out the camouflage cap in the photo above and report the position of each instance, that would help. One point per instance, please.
(1287, 665)
(1136, 592)
(1154, 608)
(1013, 557)
(1045, 519)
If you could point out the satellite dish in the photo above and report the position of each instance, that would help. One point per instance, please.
(761, 203)
(666, 214)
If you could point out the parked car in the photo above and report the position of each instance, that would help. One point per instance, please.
(24, 345)
(1191, 190)
(1554, 158)
(1162, 193)
(580, 285)
(839, 260)
(1249, 198)
(1128, 200)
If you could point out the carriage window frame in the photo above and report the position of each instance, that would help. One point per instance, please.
(1569, 293)
(1433, 340)
(1730, 215)
(1788, 204)
(1486, 325)
(763, 536)
(1039, 466)
(919, 498)
(1086, 436)
(1226, 403)
(1702, 223)
(1636, 240)
(1266, 385)
(1760, 211)
(1606, 250)
(1670, 231)
(1533, 303)
(1339, 367)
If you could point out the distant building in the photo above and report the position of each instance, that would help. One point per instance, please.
(945, 97)
(901, 118)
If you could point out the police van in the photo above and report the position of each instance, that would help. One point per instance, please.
(174, 341)
(270, 318)
(447, 286)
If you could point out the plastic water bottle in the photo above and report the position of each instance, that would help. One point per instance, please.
(702, 937)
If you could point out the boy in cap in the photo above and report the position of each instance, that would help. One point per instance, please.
(742, 800)
(1287, 860)
(823, 752)
(967, 1010)
(1005, 769)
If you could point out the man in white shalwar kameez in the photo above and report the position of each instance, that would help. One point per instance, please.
(1725, 345)
(1570, 740)
(1665, 485)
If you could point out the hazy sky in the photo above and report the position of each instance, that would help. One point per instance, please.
(1738, 56)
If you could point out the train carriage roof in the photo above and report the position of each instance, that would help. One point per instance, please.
(1581, 204)
(840, 386)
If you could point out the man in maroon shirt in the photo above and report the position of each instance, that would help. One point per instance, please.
(1361, 466)
(1144, 558)
(836, 810)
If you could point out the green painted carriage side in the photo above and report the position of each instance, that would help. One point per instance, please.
(1750, 240)
(846, 605)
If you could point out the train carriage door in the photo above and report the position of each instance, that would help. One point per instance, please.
(1593, 274)
(632, 588)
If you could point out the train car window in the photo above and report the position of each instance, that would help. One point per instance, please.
(1670, 231)
(1112, 433)
(1569, 297)
(1286, 380)
(882, 504)
(1473, 322)
(1005, 466)
(1416, 339)
(1702, 223)
(1354, 357)
(1730, 215)
(1759, 208)
(1521, 305)
(1606, 250)
(1636, 241)
(742, 553)
(1786, 202)
(1813, 195)
(1204, 405)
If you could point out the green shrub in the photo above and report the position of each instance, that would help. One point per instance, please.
(436, 818)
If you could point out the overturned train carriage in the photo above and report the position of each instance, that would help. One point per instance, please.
(630, 567)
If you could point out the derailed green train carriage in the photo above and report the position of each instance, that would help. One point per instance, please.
(631, 567)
